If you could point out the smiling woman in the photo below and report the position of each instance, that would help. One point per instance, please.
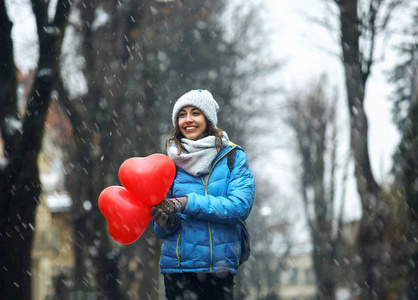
(200, 221)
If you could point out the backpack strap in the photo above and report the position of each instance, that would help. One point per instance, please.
(231, 159)
(245, 235)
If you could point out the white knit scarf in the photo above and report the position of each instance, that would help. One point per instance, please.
(198, 156)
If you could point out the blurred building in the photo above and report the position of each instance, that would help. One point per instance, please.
(52, 249)
(297, 281)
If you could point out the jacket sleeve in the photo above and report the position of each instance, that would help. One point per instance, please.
(233, 208)
(163, 233)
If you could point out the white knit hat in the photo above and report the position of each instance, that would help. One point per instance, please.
(203, 100)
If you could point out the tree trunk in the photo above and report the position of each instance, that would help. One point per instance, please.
(372, 226)
(20, 189)
(20, 185)
(91, 164)
(408, 149)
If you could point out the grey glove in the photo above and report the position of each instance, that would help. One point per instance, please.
(162, 218)
(164, 213)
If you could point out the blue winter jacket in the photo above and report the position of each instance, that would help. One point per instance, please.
(207, 237)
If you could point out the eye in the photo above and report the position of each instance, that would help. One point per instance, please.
(182, 114)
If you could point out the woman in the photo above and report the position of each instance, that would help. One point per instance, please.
(200, 221)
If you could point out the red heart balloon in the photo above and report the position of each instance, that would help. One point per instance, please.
(149, 177)
(127, 218)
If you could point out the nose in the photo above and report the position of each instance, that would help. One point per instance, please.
(189, 118)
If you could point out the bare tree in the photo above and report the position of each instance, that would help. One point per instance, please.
(405, 97)
(22, 135)
(360, 24)
(410, 165)
(312, 118)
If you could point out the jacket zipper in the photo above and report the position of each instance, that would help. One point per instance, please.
(211, 246)
(205, 184)
(178, 249)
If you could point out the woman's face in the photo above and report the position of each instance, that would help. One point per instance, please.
(192, 122)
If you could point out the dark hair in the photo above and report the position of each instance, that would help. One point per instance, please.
(176, 136)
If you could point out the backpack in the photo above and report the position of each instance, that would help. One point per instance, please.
(245, 235)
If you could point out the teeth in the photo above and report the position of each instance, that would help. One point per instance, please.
(189, 128)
